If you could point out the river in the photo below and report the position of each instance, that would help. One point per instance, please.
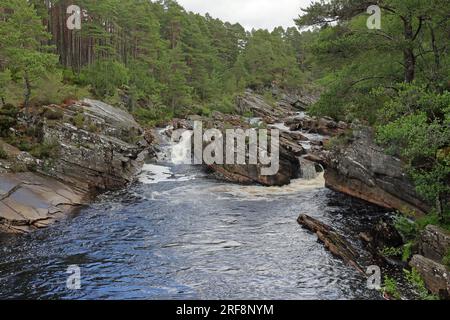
(178, 234)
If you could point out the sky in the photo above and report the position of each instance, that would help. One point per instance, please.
(258, 14)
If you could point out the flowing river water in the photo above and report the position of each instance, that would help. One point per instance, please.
(178, 234)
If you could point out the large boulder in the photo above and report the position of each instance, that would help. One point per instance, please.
(322, 126)
(289, 153)
(255, 104)
(102, 149)
(434, 243)
(363, 170)
(436, 276)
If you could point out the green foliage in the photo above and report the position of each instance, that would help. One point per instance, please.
(5, 79)
(340, 140)
(406, 227)
(417, 129)
(78, 120)
(388, 79)
(20, 142)
(270, 58)
(416, 281)
(390, 288)
(225, 105)
(269, 98)
(446, 259)
(45, 150)
(51, 89)
(153, 116)
(138, 54)
(391, 252)
(53, 114)
(105, 77)
(3, 154)
(22, 33)
(8, 118)
(407, 251)
(433, 218)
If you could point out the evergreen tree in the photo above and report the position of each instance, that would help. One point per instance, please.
(21, 50)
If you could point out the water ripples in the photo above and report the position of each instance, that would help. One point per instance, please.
(184, 236)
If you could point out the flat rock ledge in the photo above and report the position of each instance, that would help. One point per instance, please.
(30, 201)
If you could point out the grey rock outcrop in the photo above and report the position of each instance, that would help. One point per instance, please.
(104, 151)
(29, 201)
(363, 170)
(95, 148)
(435, 275)
(434, 243)
(253, 103)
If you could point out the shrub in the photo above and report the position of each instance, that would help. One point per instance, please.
(53, 114)
(391, 252)
(52, 90)
(434, 218)
(414, 126)
(45, 150)
(269, 98)
(406, 227)
(3, 154)
(78, 120)
(153, 116)
(8, 118)
(407, 251)
(340, 140)
(105, 77)
(446, 259)
(390, 288)
(415, 280)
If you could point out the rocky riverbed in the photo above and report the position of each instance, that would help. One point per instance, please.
(98, 148)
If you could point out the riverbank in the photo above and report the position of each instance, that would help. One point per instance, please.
(76, 151)
(96, 148)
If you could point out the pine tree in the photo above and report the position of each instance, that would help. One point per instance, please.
(21, 49)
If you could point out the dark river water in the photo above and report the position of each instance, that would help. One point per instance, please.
(177, 234)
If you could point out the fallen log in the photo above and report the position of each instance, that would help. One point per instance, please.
(335, 243)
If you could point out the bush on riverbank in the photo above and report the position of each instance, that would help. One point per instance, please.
(415, 126)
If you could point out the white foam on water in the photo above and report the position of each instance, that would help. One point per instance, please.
(181, 151)
(255, 121)
(280, 126)
(313, 136)
(153, 174)
(306, 145)
(301, 115)
(257, 192)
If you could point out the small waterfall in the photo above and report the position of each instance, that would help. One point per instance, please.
(307, 169)
(181, 151)
(173, 152)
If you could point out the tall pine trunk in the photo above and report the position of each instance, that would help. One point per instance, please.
(27, 92)
(409, 59)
